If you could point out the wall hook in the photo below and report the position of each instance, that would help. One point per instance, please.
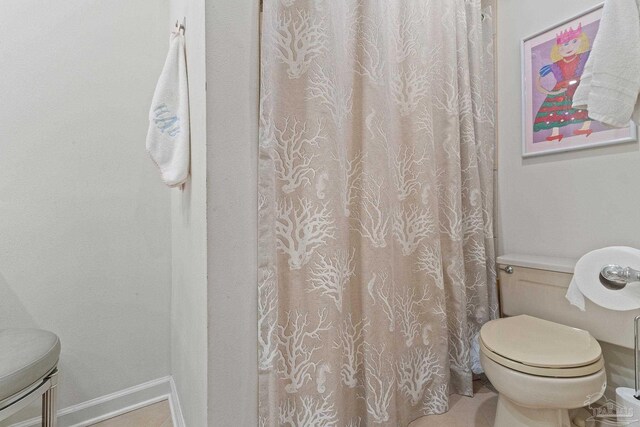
(181, 27)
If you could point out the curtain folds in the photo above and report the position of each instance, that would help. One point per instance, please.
(376, 249)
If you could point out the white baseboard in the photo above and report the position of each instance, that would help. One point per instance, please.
(114, 404)
(176, 409)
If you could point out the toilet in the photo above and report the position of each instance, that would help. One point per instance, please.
(540, 369)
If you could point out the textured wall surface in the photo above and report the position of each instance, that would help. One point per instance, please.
(84, 217)
(232, 135)
(562, 204)
(189, 237)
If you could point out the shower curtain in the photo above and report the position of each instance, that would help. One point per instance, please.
(376, 251)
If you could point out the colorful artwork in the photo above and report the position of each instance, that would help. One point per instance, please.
(553, 63)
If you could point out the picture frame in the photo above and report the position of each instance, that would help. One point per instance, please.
(552, 62)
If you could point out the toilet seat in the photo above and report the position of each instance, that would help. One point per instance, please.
(538, 347)
(578, 371)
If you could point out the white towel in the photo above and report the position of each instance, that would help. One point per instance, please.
(610, 83)
(168, 134)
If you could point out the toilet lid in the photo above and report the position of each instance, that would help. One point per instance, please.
(539, 343)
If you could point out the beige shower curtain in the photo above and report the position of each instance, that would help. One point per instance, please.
(376, 258)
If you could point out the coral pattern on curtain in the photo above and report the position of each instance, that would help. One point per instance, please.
(376, 251)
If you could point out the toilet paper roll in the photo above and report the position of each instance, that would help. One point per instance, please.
(627, 407)
(587, 277)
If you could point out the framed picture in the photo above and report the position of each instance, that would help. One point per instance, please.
(552, 63)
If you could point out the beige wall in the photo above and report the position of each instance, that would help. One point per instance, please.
(232, 133)
(563, 204)
(214, 220)
(84, 217)
(189, 237)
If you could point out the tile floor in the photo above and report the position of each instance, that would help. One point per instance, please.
(156, 415)
(478, 411)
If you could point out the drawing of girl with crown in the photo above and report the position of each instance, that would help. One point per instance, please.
(569, 55)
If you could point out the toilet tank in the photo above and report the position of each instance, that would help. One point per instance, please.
(536, 286)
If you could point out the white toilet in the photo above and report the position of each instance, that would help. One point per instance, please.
(540, 369)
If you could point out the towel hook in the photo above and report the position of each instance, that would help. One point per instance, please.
(181, 27)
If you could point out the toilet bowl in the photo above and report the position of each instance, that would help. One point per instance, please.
(540, 369)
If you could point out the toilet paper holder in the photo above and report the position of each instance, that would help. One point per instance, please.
(616, 277)
(635, 358)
